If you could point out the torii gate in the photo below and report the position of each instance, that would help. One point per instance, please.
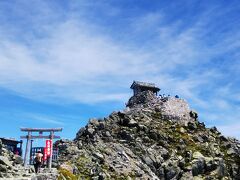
(29, 137)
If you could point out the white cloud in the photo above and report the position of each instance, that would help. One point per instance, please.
(44, 119)
(74, 61)
(146, 22)
(232, 130)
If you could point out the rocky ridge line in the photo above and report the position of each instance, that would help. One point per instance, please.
(153, 138)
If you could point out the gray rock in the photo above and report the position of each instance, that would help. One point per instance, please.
(101, 125)
(94, 122)
(197, 155)
(198, 166)
(3, 168)
(187, 176)
(132, 123)
(126, 135)
(211, 165)
(221, 168)
(107, 133)
(164, 153)
(98, 155)
(231, 151)
(148, 160)
(172, 172)
(192, 125)
(160, 173)
(4, 160)
(18, 159)
(90, 130)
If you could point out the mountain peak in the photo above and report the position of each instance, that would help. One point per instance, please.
(154, 137)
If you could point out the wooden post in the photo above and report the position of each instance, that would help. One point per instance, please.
(21, 142)
(31, 151)
(51, 150)
(27, 148)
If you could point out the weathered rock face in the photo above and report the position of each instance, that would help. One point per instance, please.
(153, 138)
(10, 164)
(11, 167)
(169, 107)
(175, 108)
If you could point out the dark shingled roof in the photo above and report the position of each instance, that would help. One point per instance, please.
(144, 84)
(10, 140)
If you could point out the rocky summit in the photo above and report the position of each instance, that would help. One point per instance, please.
(152, 138)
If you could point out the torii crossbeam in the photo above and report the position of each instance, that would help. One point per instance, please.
(40, 136)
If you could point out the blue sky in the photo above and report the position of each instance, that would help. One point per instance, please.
(62, 62)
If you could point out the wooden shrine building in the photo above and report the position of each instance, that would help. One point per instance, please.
(143, 86)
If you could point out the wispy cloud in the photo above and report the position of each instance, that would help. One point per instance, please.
(72, 58)
(231, 130)
(43, 119)
(75, 58)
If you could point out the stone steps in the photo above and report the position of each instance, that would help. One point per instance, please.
(45, 174)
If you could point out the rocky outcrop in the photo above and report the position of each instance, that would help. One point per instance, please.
(11, 167)
(153, 138)
(10, 164)
(170, 107)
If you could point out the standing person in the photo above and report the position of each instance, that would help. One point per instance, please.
(38, 161)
